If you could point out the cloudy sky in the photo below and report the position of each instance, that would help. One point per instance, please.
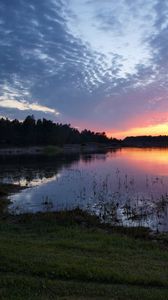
(101, 65)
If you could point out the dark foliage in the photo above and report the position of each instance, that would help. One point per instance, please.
(45, 132)
(146, 141)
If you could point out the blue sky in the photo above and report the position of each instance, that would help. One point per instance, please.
(94, 64)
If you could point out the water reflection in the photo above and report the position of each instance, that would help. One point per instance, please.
(30, 172)
(126, 187)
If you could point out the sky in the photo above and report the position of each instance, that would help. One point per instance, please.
(100, 65)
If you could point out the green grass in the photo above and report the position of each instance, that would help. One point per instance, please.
(5, 191)
(52, 150)
(65, 256)
(7, 188)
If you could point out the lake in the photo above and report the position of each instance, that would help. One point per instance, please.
(128, 186)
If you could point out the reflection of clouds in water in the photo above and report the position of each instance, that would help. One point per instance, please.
(37, 181)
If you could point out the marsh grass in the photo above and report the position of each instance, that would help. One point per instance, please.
(122, 205)
(114, 198)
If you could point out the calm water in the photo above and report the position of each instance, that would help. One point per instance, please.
(127, 186)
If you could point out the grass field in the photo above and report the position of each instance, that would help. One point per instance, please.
(67, 256)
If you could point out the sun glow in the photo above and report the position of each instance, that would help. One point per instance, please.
(154, 130)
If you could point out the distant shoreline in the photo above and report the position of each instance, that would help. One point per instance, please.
(54, 150)
(50, 151)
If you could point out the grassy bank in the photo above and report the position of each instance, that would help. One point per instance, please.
(70, 256)
(52, 150)
(5, 191)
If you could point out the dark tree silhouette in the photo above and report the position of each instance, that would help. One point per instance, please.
(146, 141)
(45, 132)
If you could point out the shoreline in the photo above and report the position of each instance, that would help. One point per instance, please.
(86, 220)
(7, 189)
(75, 149)
(54, 150)
(77, 216)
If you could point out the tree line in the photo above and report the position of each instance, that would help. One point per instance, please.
(32, 132)
(146, 141)
(41, 132)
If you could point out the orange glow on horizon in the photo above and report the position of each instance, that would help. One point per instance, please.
(154, 130)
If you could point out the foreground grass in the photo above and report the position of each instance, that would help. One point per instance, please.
(67, 256)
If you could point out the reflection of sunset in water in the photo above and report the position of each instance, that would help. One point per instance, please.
(153, 161)
(144, 161)
(157, 155)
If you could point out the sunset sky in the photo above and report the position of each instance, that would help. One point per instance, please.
(100, 65)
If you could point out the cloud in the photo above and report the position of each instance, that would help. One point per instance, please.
(23, 105)
(11, 97)
(100, 64)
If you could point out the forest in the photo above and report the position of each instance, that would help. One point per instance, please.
(146, 141)
(43, 132)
